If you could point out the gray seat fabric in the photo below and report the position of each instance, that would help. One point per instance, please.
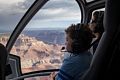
(3, 61)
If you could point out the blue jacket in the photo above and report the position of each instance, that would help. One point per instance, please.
(74, 66)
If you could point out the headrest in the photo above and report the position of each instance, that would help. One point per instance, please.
(3, 54)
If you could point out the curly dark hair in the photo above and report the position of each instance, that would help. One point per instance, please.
(81, 35)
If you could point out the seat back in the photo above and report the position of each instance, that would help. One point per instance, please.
(3, 61)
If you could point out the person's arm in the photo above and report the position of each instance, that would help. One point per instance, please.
(52, 76)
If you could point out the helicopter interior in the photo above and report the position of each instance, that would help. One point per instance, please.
(34, 39)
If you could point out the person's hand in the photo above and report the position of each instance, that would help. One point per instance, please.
(52, 76)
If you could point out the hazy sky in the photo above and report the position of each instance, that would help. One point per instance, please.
(54, 14)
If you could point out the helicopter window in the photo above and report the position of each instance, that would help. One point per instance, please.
(89, 0)
(101, 9)
(40, 78)
(39, 45)
(10, 14)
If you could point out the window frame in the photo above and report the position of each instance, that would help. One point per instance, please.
(36, 6)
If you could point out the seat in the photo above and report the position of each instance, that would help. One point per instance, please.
(3, 61)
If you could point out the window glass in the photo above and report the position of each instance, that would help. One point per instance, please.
(11, 11)
(101, 9)
(38, 78)
(39, 45)
(89, 0)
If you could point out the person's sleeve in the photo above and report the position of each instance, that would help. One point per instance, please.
(63, 72)
(63, 76)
